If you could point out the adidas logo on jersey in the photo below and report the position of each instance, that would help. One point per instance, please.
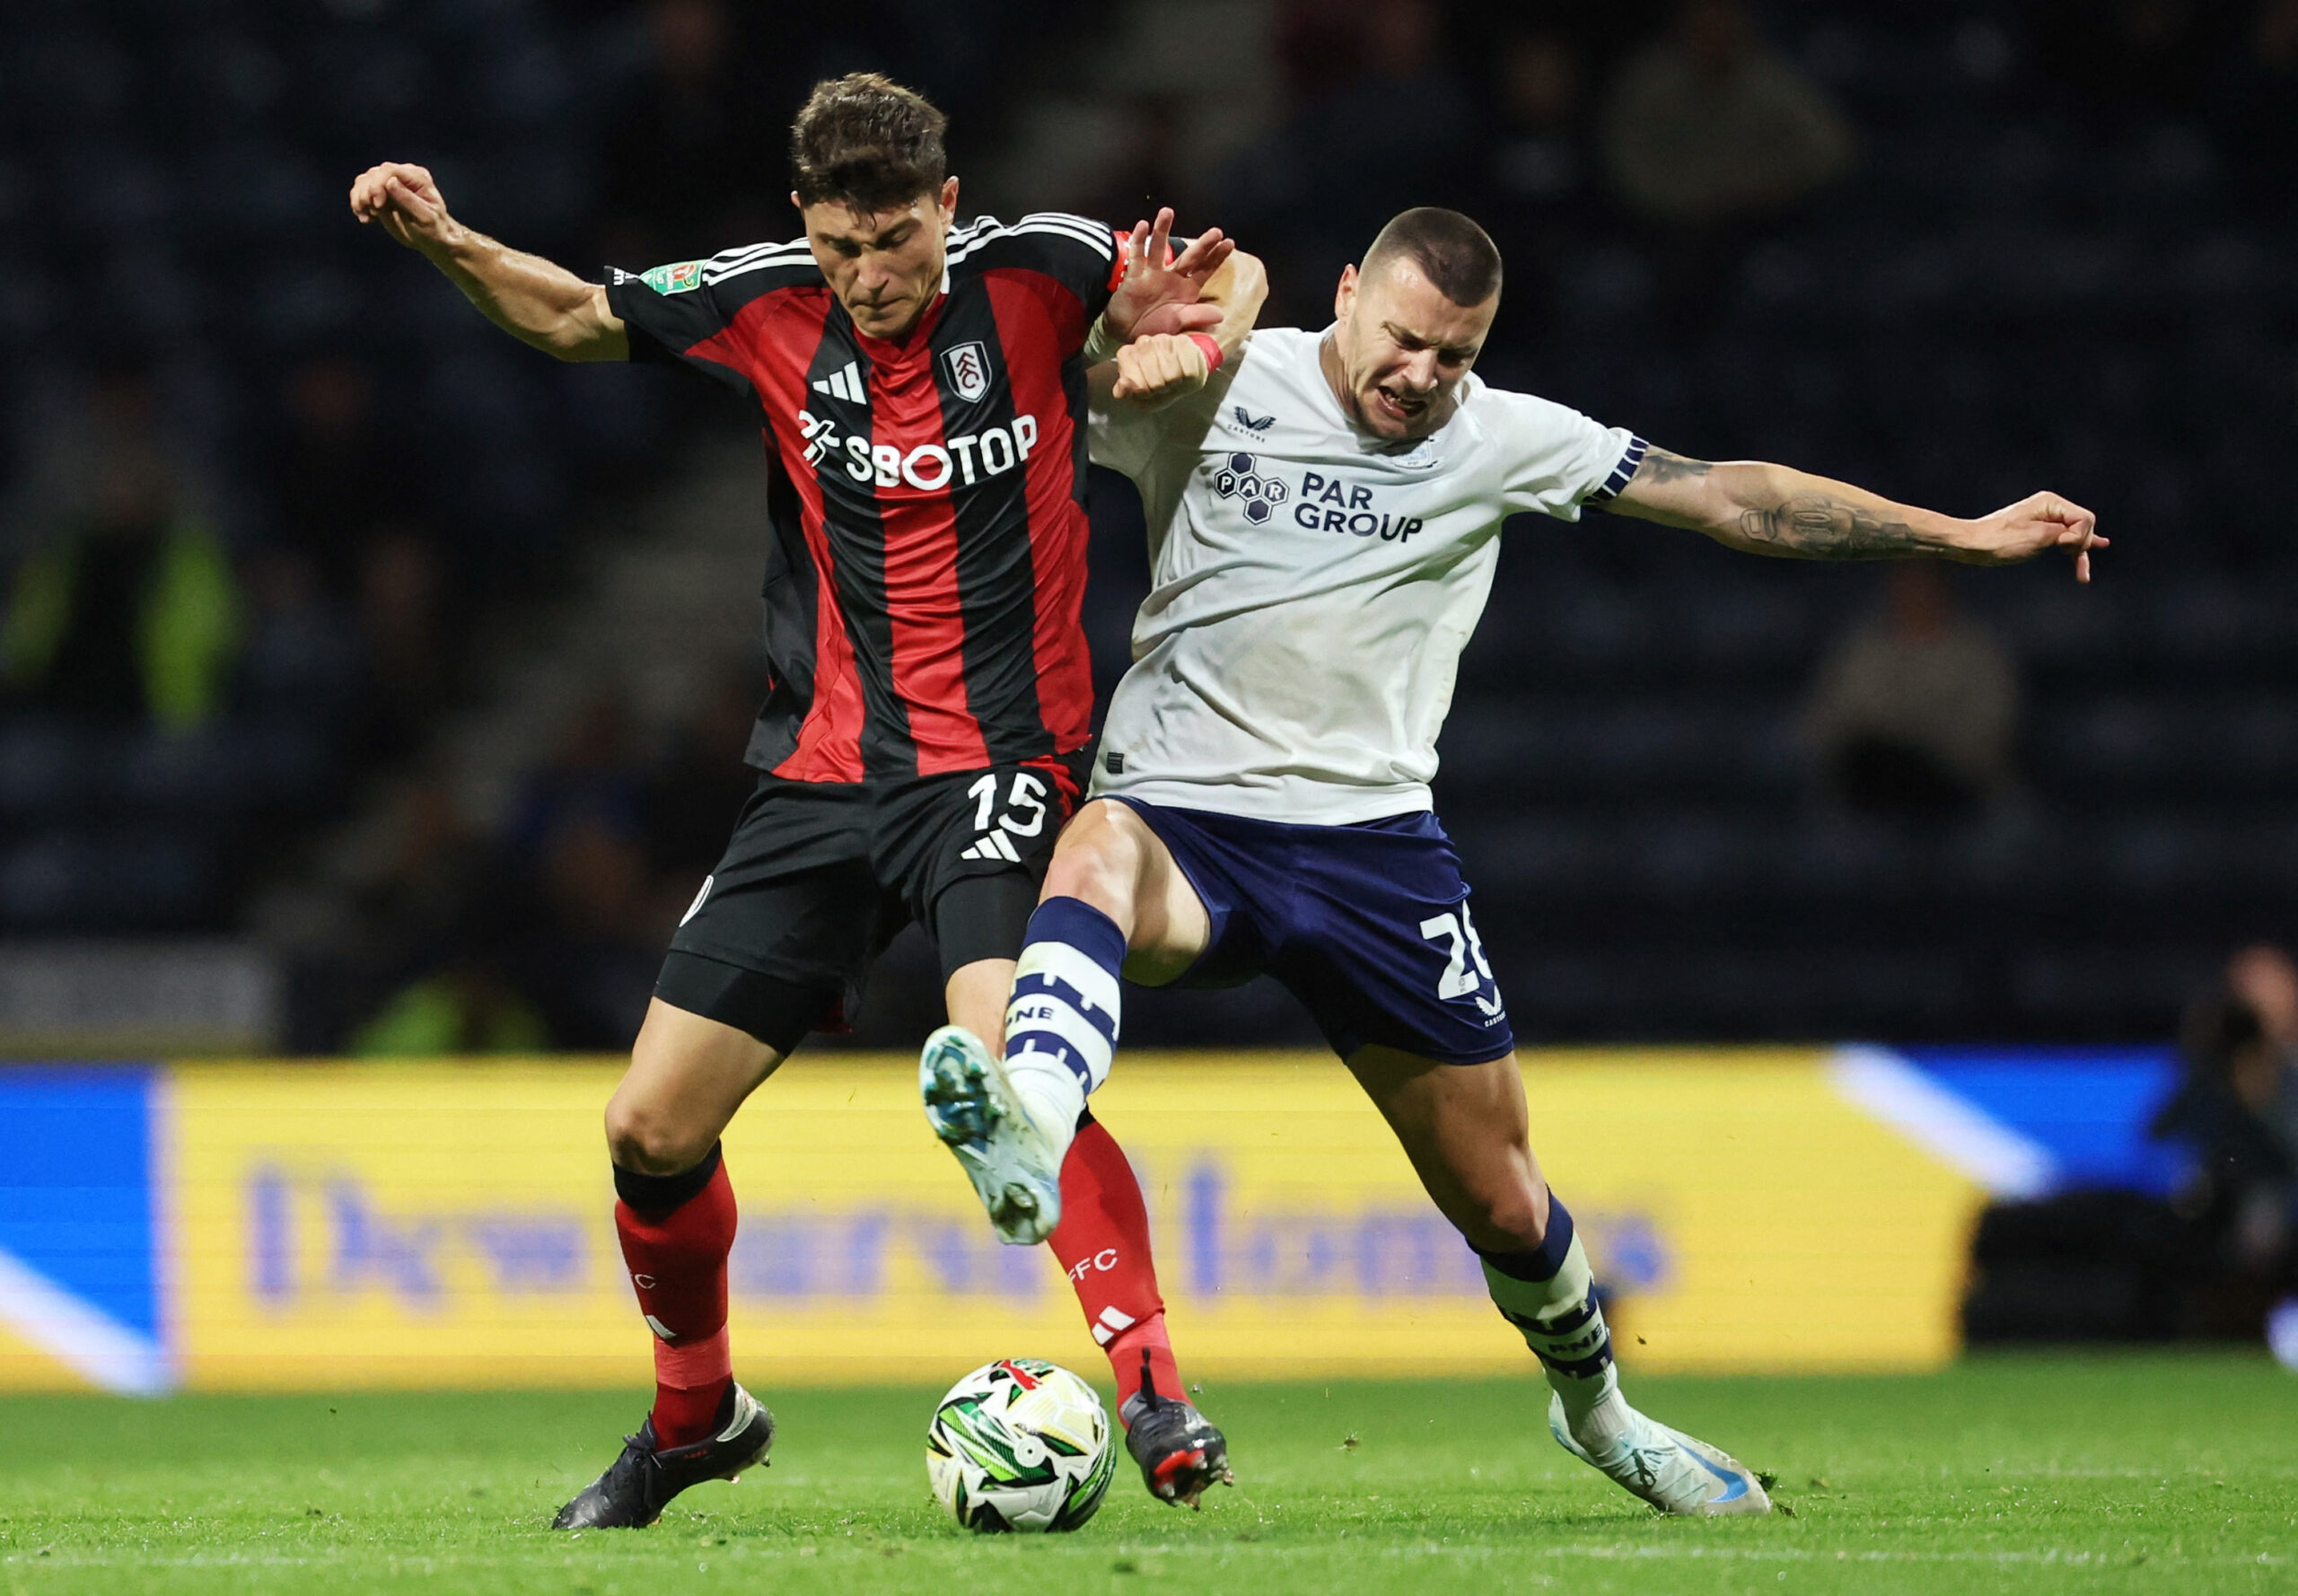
(992, 845)
(845, 383)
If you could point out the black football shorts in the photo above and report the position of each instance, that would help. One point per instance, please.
(779, 938)
(819, 877)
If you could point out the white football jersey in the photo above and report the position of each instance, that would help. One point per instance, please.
(1311, 587)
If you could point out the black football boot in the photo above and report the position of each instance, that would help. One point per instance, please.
(1179, 1450)
(639, 1484)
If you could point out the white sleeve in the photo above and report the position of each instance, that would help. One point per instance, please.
(1137, 443)
(1122, 437)
(1555, 458)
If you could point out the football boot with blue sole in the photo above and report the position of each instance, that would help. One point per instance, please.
(640, 1482)
(1674, 1472)
(1012, 1164)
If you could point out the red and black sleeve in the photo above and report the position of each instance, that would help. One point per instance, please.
(1085, 257)
(675, 314)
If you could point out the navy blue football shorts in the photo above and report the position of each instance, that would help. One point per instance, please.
(1367, 925)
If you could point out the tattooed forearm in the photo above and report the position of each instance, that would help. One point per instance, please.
(1768, 509)
(1817, 526)
(1660, 467)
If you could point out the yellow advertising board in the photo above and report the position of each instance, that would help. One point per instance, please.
(338, 1225)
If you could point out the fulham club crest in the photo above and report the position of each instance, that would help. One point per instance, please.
(968, 364)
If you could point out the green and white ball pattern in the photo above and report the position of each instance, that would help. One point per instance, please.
(1021, 1444)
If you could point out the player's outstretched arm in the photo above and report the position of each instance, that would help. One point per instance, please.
(1773, 510)
(532, 299)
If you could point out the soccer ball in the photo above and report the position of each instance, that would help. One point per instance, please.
(1021, 1444)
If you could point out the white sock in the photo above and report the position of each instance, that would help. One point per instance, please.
(1561, 1321)
(1050, 1096)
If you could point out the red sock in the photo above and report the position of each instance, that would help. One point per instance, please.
(678, 1264)
(1103, 1242)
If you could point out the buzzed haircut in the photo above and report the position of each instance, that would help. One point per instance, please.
(867, 142)
(1456, 256)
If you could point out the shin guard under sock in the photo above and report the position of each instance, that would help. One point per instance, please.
(1061, 1023)
(1103, 1244)
(1549, 1294)
(676, 1232)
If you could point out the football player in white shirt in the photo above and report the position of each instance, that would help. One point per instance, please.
(1324, 512)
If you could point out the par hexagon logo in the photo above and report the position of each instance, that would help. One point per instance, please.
(1239, 476)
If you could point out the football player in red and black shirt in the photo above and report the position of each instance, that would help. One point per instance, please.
(920, 385)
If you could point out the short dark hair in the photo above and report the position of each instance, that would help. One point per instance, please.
(1456, 256)
(865, 140)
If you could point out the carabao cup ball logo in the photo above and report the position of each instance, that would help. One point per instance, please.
(1239, 476)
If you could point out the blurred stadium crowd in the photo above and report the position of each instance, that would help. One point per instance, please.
(2206, 1248)
(278, 505)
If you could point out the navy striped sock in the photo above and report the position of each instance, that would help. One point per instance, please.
(1061, 1024)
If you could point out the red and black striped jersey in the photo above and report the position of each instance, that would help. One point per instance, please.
(926, 499)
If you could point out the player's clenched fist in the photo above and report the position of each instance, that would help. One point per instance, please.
(407, 201)
(1154, 371)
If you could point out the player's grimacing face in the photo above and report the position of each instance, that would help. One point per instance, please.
(1402, 349)
(884, 266)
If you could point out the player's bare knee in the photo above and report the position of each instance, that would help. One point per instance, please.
(647, 1141)
(1513, 1219)
(1075, 872)
(1097, 863)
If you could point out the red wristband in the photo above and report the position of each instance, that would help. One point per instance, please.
(1212, 347)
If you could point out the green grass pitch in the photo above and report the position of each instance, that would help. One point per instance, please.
(2102, 1474)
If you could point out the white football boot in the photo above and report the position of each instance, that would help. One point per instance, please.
(1671, 1471)
(973, 1108)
